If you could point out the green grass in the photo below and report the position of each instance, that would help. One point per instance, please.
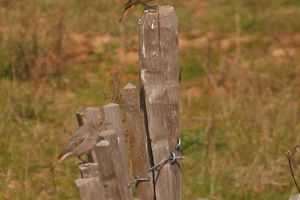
(239, 91)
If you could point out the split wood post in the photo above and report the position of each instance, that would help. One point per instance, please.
(89, 189)
(112, 115)
(160, 71)
(118, 164)
(93, 115)
(138, 142)
(102, 154)
(91, 170)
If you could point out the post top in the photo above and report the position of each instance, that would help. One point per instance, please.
(129, 86)
(87, 165)
(92, 108)
(163, 8)
(111, 105)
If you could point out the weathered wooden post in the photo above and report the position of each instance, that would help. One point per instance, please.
(112, 115)
(138, 143)
(90, 185)
(116, 158)
(89, 189)
(160, 71)
(102, 154)
(89, 170)
(94, 115)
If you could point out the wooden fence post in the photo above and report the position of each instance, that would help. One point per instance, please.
(102, 154)
(112, 115)
(89, 189)
(91, 170)
(160, 78)
(93, 115)
(138, 142)
(118, 165)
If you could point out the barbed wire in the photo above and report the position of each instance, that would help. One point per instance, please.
(174, 157)
(137, 180)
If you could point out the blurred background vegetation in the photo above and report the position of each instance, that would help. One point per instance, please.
(240, 108)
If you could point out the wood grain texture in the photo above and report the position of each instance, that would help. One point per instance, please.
(138, 141)
(94, 116)
(91, 170)
(112, 114)
(160, 78)
(89, 189)
(118, 165)
(102, 154)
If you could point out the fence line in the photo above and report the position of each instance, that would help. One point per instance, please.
(152, 122)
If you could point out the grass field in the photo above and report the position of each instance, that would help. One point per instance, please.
(240, 94)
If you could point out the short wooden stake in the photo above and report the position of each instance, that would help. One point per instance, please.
(89, 189)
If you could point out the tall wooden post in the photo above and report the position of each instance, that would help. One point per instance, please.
(138, 143)
(160, 71)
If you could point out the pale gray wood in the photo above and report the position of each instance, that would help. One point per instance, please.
(160, 77)
(295, 197)
(120, 170)
(91, 170)
(102, 154)
(138, 141)
(89, 189)
(112, 115)
(94, 116)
